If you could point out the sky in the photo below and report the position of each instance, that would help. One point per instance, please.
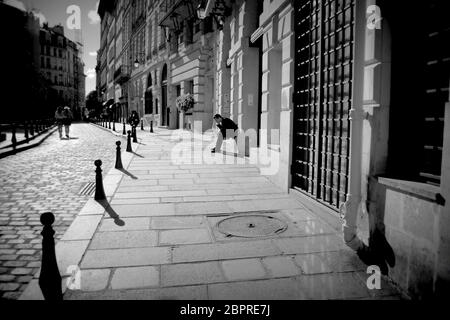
(55, 12)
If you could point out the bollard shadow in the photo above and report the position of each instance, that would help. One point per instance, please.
(128, 174)
(113, 214)
(136, 154)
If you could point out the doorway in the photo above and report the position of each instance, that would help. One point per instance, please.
(164, 109)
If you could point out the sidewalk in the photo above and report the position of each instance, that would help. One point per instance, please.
(168, 233)
(7, 149)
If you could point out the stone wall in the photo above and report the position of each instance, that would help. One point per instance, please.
(412, 224)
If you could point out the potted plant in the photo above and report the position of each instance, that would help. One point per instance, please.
(185, 103)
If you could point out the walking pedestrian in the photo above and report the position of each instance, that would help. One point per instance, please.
(67, 120)
(59, 116)
(226, 126)
(133, 120)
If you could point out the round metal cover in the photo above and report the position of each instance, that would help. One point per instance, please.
(251, 226)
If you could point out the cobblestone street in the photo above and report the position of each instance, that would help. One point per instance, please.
(45, 178)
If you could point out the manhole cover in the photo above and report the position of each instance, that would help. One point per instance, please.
(251, 226)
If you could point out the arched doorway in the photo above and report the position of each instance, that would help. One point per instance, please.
(164, 109)
(148, 101)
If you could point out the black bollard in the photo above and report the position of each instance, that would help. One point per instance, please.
(123, 131)
(49, 278)
(13, 137)
(129, 142)
(142, 124)
(31, 128)
(114, 126)
(25, 128)
(118, 156)
(99, 191)
(36, 127)
(151, 126)
(109, 124)
(134, 134)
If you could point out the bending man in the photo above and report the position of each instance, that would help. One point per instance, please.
(228, 129)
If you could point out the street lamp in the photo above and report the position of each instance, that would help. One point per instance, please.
(201, 12)
(136, 62)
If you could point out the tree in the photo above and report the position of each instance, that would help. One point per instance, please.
(93, 104)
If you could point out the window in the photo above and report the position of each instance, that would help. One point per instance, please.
(418, 101)
(190, 87)
(178, 90)
(189, 31)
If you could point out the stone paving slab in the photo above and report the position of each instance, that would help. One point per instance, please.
(221, 251)
(129, 224)
(177, 222)
(135, 277)
(243, 269)
(184, 236)
(82, 228)
(94, 279)
(124, 239)
(270, 289)
(142, 210)
(125, 257)
(281, 266)
(198, 292)
(191, 273)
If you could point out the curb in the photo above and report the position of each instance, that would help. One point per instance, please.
(10, 152)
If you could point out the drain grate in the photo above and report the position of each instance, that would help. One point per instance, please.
(88, 189)
(251, 226)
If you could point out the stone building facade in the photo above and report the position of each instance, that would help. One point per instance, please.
(62, 65)
(322, 83)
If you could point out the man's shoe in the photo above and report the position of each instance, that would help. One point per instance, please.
(213, 150)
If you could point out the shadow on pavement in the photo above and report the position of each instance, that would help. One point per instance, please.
(136, 154)
(113, 214)
(128, 174)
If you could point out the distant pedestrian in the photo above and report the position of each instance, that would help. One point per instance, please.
(59, 116)
(228, 129)
(67, 120)
(134, 120)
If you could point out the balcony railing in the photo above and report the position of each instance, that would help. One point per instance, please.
(138, 22)
(122, 74)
